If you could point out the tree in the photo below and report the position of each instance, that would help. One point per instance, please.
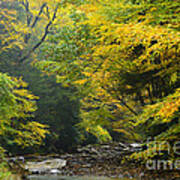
(54, 107)
(28, 17)
(124, 64)
(17, 104)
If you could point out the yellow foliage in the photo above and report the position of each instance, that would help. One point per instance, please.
(25, 93)
(17, 104)
(80, 82)
(130, 61)
(170, 106)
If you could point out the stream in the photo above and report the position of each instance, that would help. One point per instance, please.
(54, 177)
(88, 162)
(72, 178)
(93, 162)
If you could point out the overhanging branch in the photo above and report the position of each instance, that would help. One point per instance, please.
(46, 31)
(39, 14)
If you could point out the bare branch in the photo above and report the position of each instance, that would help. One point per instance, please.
(43, 37)
(127, 106)
(28, 13)
(29, 17)
(39, 14)
(123, 102)
(47, 12)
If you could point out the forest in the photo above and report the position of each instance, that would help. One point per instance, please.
(80, 72)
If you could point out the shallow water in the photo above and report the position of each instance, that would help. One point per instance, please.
(72, 178)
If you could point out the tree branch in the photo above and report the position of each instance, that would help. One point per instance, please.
(39, 14)
(28, 16)
(127, 106)
(43, 37)
(123, 102)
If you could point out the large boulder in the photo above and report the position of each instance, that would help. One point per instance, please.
(45, 167)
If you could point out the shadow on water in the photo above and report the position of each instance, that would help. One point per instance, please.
(56, 177)
(72, 178)
(51, 177)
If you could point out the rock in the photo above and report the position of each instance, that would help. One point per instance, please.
(136, 147)
(123, 146)
(55, 171)
(46, 166)
(105, 147)
(102, 159)
(21, 158)
(86, 165)
(120, 176)
(37, 171)
(16, 159)
(94, 151)
(16, 163)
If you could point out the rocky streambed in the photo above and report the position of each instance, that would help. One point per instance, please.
(92, 160)
(100, 160)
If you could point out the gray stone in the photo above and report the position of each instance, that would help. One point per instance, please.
(45, 166)
(55, 171)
